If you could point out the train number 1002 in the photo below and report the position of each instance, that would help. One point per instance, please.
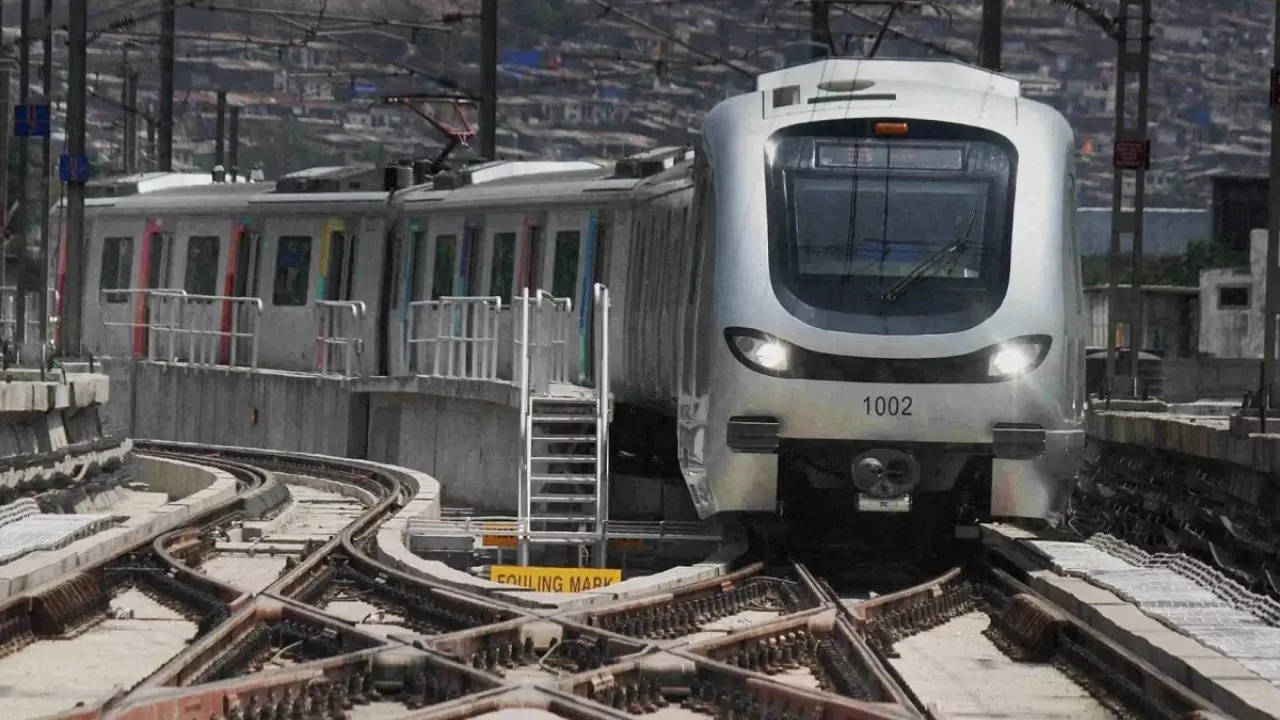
(893, 405)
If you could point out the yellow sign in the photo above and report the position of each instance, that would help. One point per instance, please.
(554, 579)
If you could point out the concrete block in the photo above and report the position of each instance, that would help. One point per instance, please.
(1206, 673)
(1072, 593)
(1123, 624)
(1252, 699)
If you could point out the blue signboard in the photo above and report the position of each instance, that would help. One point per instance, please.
(73, 168)
(31, 120)
(522, 58)
(365, 88)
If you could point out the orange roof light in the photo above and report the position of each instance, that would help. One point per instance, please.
(894, 129)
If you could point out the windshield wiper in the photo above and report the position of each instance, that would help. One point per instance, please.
(951, 250)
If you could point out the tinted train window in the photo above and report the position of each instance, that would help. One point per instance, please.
(564, 274)
(442, 272)
(293, 270)
(890, 236)
(417, 266)
(202, 266)
(117, 267)
(503, 265)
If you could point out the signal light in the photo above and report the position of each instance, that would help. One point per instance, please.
(891, 129)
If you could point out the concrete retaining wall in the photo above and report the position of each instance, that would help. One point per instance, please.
(470, 444)
(262, 409)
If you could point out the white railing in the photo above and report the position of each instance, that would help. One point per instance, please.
(209, 330)
(454, 337)
(339, 332)
(549, 320)
(601, 344)
(31, 314)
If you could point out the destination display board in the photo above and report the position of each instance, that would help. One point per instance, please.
(554, 579)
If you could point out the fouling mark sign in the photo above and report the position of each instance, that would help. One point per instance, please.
(554, 579)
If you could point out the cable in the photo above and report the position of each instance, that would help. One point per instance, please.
(610, 9)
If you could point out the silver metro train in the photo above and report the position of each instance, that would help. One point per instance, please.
(862, 287)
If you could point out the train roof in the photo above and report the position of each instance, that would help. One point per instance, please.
(816, 81)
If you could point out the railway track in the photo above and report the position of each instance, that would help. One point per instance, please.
(332, 631)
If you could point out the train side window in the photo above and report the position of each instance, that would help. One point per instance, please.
(117, 267)
(502, 266)
(293, 270)
(442, 271)
(202, 265)
(564, 274)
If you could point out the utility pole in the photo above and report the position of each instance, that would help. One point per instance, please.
(489, 78)
(125, 113)
(131, 154)
(1271, 301)
(166, 89)
(219, 143)
(76, 99)
(820, 28)
(151, 137)
(992, 34)
(46, 167)
(233, 157)
(24, 149)
(1131, 151)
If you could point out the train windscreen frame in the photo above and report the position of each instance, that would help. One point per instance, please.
(898, 235)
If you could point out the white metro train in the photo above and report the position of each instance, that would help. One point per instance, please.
(861, 287)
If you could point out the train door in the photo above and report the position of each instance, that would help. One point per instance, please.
(597, 249)
(243, 253)
(110, 275)
(562, 271)
(157, 266)
(292, 274)
(339, 266)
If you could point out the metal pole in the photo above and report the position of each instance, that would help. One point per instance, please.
(219, 143)
(819, 28)
(488, 78)
(6, 116)
(166, 89)
(1138, 320)
(76, 99)
(152, 157)
(124, 112)
(233, 156)
(131, 154)
(24, 149)
(1272, 297)
(1117, 215)
(992, 20)
(46, 79)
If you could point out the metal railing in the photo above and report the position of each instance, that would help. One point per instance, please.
(31, 314)
(601, 345)
(170, 325)
(454, 337)
(549, 321)
(339, 331)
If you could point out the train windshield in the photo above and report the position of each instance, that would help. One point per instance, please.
(890, 235)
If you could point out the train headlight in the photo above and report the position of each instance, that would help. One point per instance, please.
(1014, 359)
(764, 353)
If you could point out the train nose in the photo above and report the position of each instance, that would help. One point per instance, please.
(885, 472)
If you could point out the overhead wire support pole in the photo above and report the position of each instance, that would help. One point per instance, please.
(167, 22)
(1271, 299)
(821, 43)
(1131, 150)
(24, 154)
(46, 170)
(488, 79)
(76, 104)
(992, 34)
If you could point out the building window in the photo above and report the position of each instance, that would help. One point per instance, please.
(117, 267)
(293, 270)
(202, 266)
(1233, 297)
(564, 273)
(502, 266)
